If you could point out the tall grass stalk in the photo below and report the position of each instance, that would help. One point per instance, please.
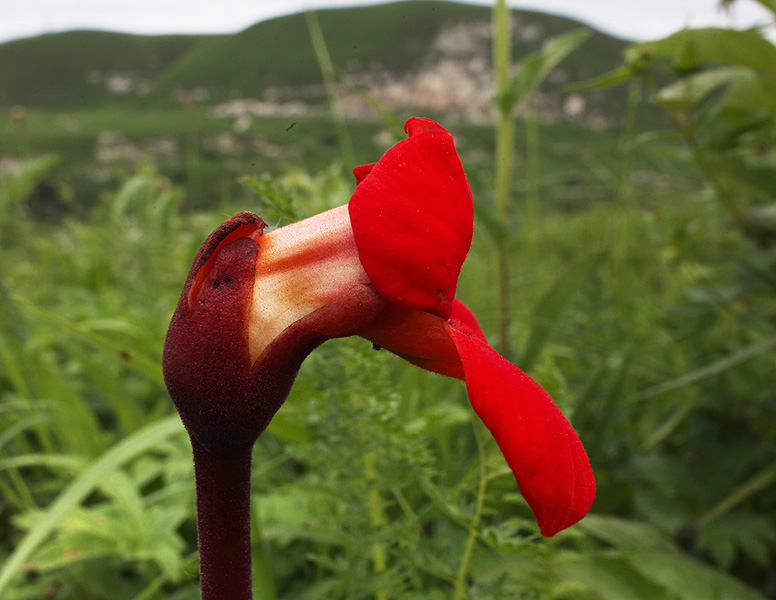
(505, 134)
(330, 82)
(626, 143)
(482, 488)
(532, 197)
(620, 221)
(377, 517)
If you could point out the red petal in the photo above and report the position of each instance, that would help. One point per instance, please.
(412, 220)
(462, 314)
(539, 444)
(416, 125)
(361, 172)
(417, 336)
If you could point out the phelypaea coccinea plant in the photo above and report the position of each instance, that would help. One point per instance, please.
(385, 267)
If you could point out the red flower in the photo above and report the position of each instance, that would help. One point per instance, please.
(384, 267)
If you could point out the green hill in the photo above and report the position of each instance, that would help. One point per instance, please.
(70, 69)
(85, 68)
(278, 52)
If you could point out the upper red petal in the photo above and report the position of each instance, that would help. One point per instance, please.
(539, 444)
(362, 171)
(412, 219)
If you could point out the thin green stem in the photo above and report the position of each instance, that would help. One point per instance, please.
(505, 133)
(377, 516)
(533, 201)
(463, 571)
(626, 141)
(377, 519)
(504, 318)
(330, 82)
(502, 58)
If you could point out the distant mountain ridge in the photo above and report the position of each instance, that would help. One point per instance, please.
(418, 53)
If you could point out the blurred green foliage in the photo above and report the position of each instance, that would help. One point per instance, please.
(643, 300)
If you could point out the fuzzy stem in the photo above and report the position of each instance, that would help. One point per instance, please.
(224, 523)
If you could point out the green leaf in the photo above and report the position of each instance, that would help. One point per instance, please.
(746, 89)
(284, 516)
(17, 184)
(86, 482)
(751, 535)
(692, 49)
(532, 69)
(611, 78)
(610, 577)
(660, 561)
(696, 87)
(135, 360)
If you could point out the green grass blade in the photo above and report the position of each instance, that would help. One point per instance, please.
(81, 486)
(391, 120)
(757, 483)
(708, 370)
(330, 82)
(548, 309)
(142, 364)
(535, 67)
(52, 461)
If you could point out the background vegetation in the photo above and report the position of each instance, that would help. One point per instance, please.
(642, 294)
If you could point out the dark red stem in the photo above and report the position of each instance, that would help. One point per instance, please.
(224, 522)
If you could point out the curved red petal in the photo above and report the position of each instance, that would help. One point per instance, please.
(362, 171)
(463, 314)
(540, 445)
(416, 336)
(412, 219)
(415, 125)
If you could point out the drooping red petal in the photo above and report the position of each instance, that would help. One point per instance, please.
(412, 219)
(416, 336)
(540, 445)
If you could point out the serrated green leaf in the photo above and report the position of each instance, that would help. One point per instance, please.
(131, 446)
(135, 360)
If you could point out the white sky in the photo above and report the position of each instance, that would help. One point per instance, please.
(630, 19)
